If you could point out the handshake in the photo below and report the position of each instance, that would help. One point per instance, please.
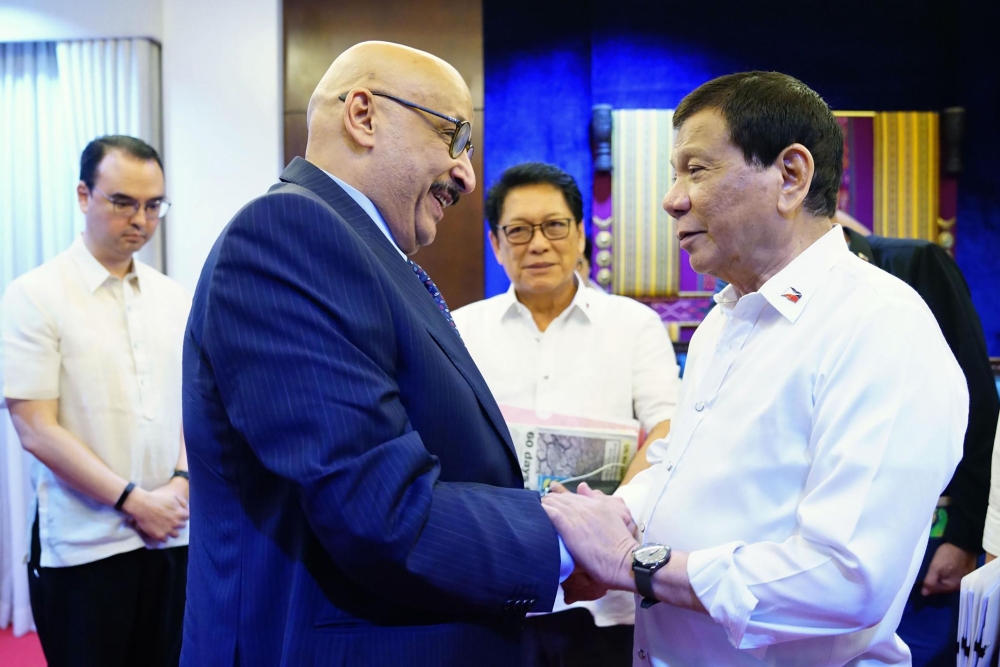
(599, 532)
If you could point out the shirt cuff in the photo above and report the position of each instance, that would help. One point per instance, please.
(566, 564)
(717, 583)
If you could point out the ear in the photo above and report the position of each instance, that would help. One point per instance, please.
(582, 242)
(83, 196)
(796, 167)
(359, 117)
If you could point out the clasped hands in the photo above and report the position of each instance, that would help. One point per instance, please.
(158, 514)
(600, 534)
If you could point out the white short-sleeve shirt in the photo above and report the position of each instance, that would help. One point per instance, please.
(604, 356)
(819, 420)
(110, 351)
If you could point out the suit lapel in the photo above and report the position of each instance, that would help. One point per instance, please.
(305, 174)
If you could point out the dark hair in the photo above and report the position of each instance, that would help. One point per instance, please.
(98, 148)
(532, 173)
(588, 248)
(768, 111)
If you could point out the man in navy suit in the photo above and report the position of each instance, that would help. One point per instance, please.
(355, 495)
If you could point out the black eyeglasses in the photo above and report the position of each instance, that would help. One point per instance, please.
(461, 140)
(521, 233)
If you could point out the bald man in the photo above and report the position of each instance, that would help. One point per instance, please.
(356, 498)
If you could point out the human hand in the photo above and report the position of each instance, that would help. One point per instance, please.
(948, 566)
(157, 514)
(581, 587)
(584, 490)
(599, 533)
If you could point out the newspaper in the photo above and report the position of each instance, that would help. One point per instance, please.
(561, 447)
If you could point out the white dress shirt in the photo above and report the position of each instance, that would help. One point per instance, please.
(819, 420)
(110, 351)
(604, 356)
(991, 533)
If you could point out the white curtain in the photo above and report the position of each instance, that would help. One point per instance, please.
(54, 99)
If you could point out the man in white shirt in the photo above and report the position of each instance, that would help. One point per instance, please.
(92, 376)
(551, 345)
(783, 522)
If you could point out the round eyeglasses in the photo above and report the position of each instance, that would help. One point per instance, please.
(126, 206)
(522, 232)
(461, 138)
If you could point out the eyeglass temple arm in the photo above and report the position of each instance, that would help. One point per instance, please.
(343, 98)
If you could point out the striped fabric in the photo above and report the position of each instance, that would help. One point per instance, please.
(356, 497)
(907, 174)
(645, 247)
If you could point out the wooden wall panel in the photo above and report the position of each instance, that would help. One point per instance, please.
(317, 31)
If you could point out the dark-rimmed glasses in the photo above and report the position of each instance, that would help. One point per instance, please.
(126, 206)
(461, 140)
(522, 232)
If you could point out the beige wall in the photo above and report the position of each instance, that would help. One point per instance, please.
(221, 118)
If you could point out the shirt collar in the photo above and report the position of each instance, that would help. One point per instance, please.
(584, 302)
(366, 204)
(789, 290)
(94, 273)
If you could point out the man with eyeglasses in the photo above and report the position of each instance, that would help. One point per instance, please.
(549, 344)
(92, 345)
(359, 499)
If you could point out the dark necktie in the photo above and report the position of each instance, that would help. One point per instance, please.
(435, 294)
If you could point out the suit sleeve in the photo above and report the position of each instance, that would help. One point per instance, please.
(936, 277)
(304, 354)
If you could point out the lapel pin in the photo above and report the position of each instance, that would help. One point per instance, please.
(792, 295)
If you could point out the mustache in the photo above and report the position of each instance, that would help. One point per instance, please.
(443, 187)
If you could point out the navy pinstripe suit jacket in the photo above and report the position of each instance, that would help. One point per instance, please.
(355, 496)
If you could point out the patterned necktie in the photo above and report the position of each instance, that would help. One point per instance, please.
(435, 294)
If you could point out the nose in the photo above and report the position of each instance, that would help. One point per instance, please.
(676, 201)
(463, 174)
(538, 242)
(139, 218)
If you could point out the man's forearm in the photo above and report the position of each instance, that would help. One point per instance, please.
(63, 454)
(671, 584)
(640, 462)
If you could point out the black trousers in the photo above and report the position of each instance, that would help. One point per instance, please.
(120, 611)
(570, 639)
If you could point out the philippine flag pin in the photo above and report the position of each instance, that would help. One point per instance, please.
(792, 295)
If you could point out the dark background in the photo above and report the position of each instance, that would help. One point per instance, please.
(540, 65)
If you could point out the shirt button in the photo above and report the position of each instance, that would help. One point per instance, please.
(642, 528)
(642, 654)
(670, 466)
(699, 406)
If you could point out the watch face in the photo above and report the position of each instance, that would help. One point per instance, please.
(651, 553)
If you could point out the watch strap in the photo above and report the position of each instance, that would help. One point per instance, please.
(122, 498)
(644, 584)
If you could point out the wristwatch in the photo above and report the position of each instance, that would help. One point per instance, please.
(646, 560)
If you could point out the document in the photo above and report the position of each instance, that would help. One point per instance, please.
(979, 616)
(560, 447)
